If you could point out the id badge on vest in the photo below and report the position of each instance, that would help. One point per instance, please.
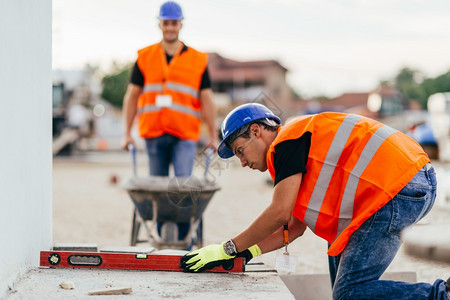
(163, 100)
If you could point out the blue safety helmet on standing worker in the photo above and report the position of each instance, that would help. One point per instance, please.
(170, 11)
(238, 118)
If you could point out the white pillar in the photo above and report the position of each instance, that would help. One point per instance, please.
(25, 132)
(439, 109)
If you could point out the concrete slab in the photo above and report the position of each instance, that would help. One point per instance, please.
(44, 284)
(318, 287)
(258, 267)
(431, 241)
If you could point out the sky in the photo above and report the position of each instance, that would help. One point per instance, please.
(328, 46)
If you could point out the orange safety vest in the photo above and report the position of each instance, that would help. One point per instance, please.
(355, 166)
(181, 80)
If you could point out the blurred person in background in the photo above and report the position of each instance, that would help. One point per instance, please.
(170, 93)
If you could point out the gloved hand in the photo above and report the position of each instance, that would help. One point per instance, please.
(249, 253)
(204, 259)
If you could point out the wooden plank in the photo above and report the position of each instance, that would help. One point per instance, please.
(112, 291)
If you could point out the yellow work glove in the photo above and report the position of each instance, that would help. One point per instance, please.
(205, 258)
(249, 253)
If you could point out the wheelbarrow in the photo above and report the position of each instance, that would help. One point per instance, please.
(163, 202)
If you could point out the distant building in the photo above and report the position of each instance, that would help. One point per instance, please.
(236, 82)
(383, 101)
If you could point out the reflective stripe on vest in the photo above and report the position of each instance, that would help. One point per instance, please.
(337, 146)
(348, 199)
(182, 89)
(173, 106)
(178, 87)
(156, 87)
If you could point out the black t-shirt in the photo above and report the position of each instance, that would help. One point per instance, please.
(137, 77)
(290, 157)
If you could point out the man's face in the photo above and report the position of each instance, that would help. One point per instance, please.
(251, 152)
(170, 30)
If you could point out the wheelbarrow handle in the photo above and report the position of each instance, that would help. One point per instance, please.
(132, 150)
(208, 154)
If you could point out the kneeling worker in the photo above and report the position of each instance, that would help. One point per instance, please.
(353, 181)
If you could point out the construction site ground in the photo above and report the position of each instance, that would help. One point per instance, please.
(91, 207)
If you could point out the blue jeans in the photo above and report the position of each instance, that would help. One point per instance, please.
(355, 272)
(168, 149)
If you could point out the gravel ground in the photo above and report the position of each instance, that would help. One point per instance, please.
(89, 206)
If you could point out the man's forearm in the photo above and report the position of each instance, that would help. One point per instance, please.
(129, 108)
(129, 113)
(278, 213)
(260, 230)
(295, 229)
(208, 112)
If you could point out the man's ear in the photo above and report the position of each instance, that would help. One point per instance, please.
(255, 130)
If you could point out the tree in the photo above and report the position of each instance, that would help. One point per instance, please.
(412, 85)
(114, 85)
(439, 84)
(407, 83)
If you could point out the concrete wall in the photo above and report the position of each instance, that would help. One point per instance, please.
(25, 132)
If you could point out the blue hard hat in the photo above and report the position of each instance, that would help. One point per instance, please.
(170, 11)
(238, 118)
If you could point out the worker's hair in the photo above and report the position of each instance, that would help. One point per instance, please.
(244, 132)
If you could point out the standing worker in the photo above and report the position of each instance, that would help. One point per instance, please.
(170, 91)
(353, 181)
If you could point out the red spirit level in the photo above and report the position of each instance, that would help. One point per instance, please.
(126, 261)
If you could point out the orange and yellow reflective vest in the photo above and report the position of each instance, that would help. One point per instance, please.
(181, 80)
(355, 166)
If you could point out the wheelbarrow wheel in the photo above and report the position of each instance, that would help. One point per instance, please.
(136, 225)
